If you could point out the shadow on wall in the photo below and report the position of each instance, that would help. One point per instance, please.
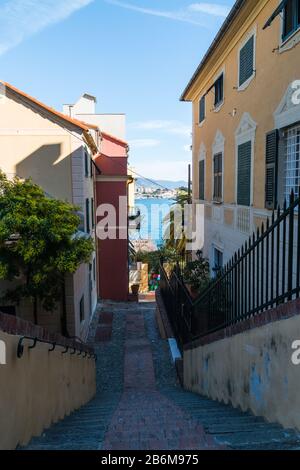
(48, 169)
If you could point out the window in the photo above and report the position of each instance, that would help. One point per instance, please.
(82, 221)
(291, 18)
(218, 260)
(81, 309)
(244, 174)
(94, 269)
(246, 62)
(91, 167)
(219, 90)
(202, 109)
(218, 177)
(292, 160)
(93, 213)
(86, 163)
(272, 141)
(87, 215)
(201, 180)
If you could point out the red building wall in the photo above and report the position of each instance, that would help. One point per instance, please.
(110, 185)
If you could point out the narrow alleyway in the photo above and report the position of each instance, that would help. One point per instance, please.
(140, 404)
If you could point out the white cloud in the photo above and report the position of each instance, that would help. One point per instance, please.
(187, 148)
(171, 127)
(213, 9)
(20, 19)
(191, 14)
(143, 143)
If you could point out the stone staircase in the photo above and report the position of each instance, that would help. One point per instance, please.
(141, 405)
(232, 427)
(82, 430)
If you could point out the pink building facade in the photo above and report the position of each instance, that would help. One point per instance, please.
(112, 188)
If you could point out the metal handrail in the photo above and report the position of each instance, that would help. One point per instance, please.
(262, 274)
(20, 348)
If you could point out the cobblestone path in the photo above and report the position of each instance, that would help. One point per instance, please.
(139, 403)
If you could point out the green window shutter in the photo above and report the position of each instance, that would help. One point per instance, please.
(202, 109)
(218, 175)
(93, 212)
(87, 215)
(219, 90)
(201, 180)
(272, 140)
(244, 174)
(246, 61)
(86, 163)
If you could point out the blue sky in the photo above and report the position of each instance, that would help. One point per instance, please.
(136, 56)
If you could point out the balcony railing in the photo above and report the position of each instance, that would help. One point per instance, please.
(262, 274)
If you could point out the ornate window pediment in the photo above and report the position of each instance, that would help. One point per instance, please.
(288, 112)
(246, 129)
(219, 143)
(202, 152)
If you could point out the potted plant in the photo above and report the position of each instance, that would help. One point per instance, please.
(196, 275)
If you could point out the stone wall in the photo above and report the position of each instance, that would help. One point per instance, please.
(41, 387)
(250, 365)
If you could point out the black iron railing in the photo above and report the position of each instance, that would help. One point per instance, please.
(80, 349)
(264, 273)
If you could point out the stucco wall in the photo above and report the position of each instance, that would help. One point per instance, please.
(252, 370)
(260, 100)
(35, 144)
(40, 389)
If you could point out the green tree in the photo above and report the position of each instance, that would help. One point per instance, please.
(171, 241)
(39, 245)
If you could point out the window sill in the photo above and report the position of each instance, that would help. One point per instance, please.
(218, 107)
(290, 42)
(245, 85)
(217, 203)
(201, 124)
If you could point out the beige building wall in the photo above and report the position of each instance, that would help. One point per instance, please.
(251, 109)
(36, 144)
(40, 389)
(85, 110)
(252, 370)
(33, 145)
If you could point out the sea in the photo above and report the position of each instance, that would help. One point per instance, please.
(153, 213)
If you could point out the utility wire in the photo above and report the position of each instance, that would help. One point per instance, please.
(107, 156)
(137, 174)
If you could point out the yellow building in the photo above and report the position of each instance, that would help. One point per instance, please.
(246, 123)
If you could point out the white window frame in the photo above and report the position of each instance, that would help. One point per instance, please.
(246, 132)
(287, 113)
(252, 32)
(288, 130)
(218, 147)
(289, 42)
(220, 105)
(220, 248)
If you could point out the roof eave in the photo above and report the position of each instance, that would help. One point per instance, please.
(225, 26)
